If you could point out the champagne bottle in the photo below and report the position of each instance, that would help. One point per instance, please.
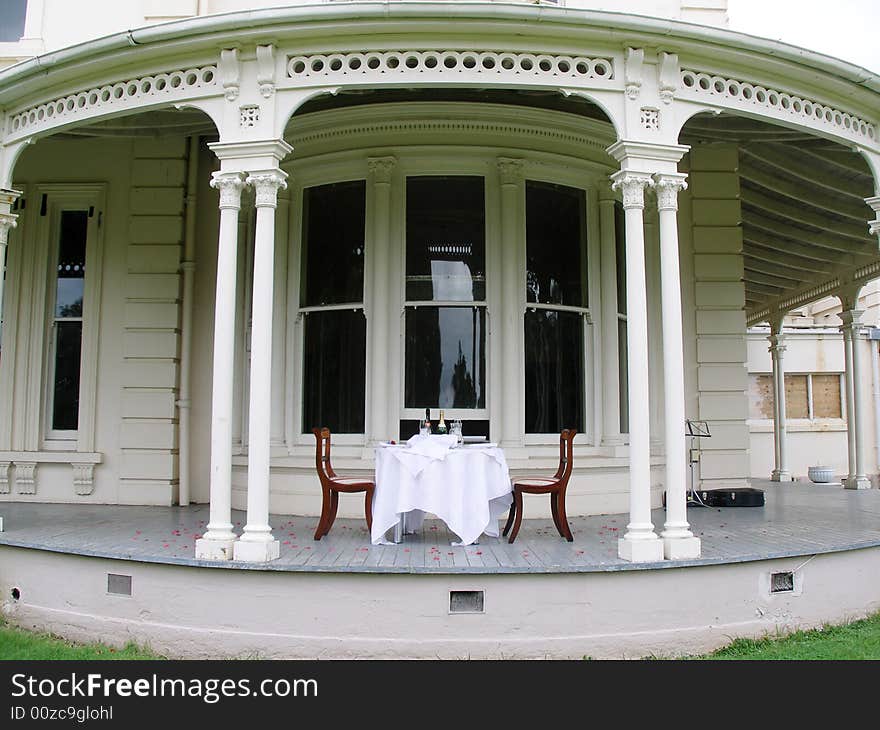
(441, 424)
(427, 423)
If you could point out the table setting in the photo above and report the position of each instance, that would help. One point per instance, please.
(462, 480)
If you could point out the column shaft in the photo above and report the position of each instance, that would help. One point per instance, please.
(257, 543)
(678, 540)
(855, 398)
(382, 424)
(640, 543)
(780, 433)
(511, 312)
(217, 541)
(610, 348)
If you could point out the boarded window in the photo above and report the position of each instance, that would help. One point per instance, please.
(760, 396)
(826, 396)
(796, 402)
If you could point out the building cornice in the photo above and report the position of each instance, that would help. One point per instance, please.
(306, 22)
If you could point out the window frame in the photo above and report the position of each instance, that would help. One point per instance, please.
(589, 278)
(811, 418)
(297, 314)
(464, 414)
(59, 198)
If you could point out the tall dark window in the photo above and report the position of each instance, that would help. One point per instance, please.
(332, 295)
(445, 293)
(68, 319)
(556, 290)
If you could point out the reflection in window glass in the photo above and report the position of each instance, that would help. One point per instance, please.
(333, 244)
(445, 239)
(445, 357)
(556, 244)
(70, 275)
(554, 344)
(333, 370)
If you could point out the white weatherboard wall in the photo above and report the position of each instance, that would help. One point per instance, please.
(148, 434)
(136, 365)
(713, 198)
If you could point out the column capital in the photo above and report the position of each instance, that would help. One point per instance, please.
(381, 168)
(852, 320)
(777, 344)
(230, 185)
(874, 225)
(667, 186)
(511, 170)
(266, 184)
(632, 185)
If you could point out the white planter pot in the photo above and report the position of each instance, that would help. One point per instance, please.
(821, 474)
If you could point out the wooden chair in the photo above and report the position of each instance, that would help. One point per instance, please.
(555, 486)
(332, 485)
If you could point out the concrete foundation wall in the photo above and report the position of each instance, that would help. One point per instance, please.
(599, 615)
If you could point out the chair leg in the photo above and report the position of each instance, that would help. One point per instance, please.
(554, 509)
(510, 517)
(563, 518)
(368, 508)
(325, 511)
(334, 506)
(518, 505)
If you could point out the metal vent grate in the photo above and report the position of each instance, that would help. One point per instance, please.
(466, 602)
(781, 582)
(119, 585)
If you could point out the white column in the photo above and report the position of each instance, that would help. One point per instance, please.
(777, 350)
(216, 544)
(855, 399)
(610, 347)
(640, 543)
(679, 542)
(257, 543)
(8, 220)
(382, 424)
(511, 314)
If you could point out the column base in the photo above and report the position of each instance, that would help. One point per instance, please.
(640, 551)
(857, 483)
(681, 548)
(207, 549)
(781, 476)
(257, 551)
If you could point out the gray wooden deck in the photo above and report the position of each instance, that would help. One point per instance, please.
(799, 519)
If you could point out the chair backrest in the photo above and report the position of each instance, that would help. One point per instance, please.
(566, 454)
(322, 454)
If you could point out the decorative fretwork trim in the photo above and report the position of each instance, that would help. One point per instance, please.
(448, 64)
(743, 94)
(119, 94)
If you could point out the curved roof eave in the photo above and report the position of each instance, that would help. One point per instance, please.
(203, 31)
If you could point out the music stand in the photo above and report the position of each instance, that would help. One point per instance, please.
(695, 429)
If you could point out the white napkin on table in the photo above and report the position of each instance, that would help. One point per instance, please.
(435, 447)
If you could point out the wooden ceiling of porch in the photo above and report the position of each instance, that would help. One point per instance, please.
(804, 216)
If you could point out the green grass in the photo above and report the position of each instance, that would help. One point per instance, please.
(855, 640)
(18, 643)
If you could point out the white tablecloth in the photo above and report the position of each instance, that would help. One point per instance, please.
(467, 487)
